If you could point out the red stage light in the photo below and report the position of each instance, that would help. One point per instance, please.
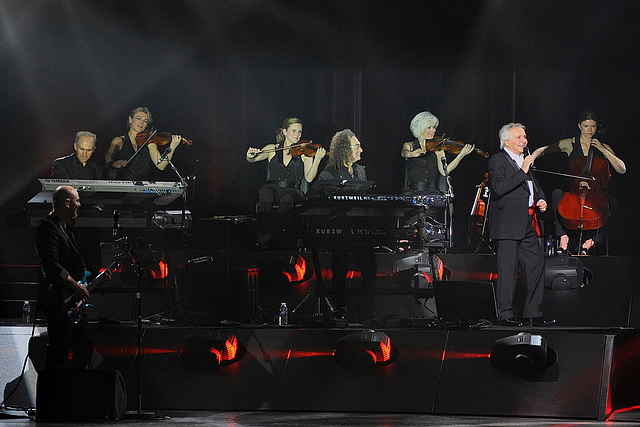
(385, 349)
(440, 269)
(298, 270)
(163, 268)
(363, 351)
(206, 353)
(227, 351)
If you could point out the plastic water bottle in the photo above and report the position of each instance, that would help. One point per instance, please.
(283, 315)
(550, 246)
(26, 312)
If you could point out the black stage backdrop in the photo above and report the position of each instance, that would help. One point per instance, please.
(227, 73)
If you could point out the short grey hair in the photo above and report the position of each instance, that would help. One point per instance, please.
(505, 132)
(422, 121)
(85, 133)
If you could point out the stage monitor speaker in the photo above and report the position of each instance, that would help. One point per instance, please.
(465, 301)
(67, 395)
(563, 273)
(608, 300)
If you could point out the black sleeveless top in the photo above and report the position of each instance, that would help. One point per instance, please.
(293, 173)
(576, 151)
(422, 172)
(138, 168)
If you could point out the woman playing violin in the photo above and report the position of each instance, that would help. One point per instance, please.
(575, 148)
(120, 155)
(423, 166)
(288, 174)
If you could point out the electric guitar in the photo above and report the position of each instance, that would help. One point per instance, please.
(74, 306)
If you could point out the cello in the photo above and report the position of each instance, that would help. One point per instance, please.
(586, 206)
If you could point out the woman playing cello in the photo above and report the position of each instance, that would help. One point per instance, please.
(577, 149)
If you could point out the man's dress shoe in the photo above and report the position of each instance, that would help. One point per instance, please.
(511, 321)
(538, 321)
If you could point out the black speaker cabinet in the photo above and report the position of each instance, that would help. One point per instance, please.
(79, 395)
(206, 295)
(563, 273)
(465, 301)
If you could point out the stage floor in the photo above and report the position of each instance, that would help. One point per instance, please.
(441, 374)
(288, 376)
(324, 419)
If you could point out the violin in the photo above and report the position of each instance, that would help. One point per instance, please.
(308, 149)
(586, 206)
(453, 147)
(158, 138)
(477, 219)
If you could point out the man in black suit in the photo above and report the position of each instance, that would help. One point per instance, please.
(79, 164)
(513, 223)
(62, 267)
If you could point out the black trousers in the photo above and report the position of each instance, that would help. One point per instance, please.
(284, 197)
(527, 253)
(65, 336)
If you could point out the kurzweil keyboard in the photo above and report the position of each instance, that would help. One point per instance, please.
(378, 219)
(108, 192)
(395, 200)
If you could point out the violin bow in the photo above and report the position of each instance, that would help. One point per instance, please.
(143, 144)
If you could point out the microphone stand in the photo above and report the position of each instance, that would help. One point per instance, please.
(137, 266)
(450, 197)
(139, 414)
(183, 181)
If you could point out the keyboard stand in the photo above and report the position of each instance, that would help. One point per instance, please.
(318, 294)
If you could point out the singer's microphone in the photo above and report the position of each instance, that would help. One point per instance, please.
(164, 155)
(528, 153)
(116, 222)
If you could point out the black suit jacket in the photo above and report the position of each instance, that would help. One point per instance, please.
(330, 172)
(509, 204)
(69, 167)
(58, 252)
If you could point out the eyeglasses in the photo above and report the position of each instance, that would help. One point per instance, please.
(355, 146)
